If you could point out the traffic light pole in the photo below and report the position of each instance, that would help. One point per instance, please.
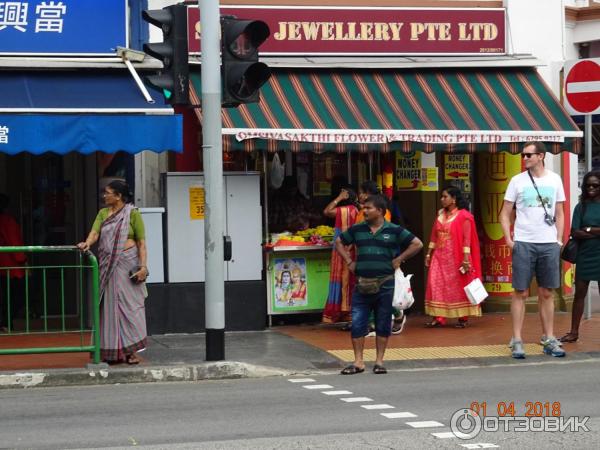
(212, 153)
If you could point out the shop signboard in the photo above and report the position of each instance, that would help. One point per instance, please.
(63, 27)
(299, 281)
(457, 167)
(431, 137)
(368, 30)
(411, 175)
(497, 170)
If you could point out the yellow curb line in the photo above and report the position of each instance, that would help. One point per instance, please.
(457, 352)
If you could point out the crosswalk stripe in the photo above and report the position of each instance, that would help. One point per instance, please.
(356, 399)
(425, 424)
(301, 380)
(317, 386)
(381, 406)
(399, 415)
(337, 392)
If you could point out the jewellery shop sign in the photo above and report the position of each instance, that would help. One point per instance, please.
(63, 27)
(370, 31)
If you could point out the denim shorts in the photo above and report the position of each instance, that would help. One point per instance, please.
(381, 304)
(541, 260)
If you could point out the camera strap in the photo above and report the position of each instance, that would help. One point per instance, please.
(538, 193)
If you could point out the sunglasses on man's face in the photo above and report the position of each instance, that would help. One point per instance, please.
(528, 155)
(592, 185)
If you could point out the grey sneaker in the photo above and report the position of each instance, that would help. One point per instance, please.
(518, 352)
(544, 338)
(552, 347)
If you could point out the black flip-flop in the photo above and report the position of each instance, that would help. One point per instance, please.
(379, 370)
(569, 337)
(352, 370)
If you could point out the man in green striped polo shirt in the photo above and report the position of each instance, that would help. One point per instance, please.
(381, 248)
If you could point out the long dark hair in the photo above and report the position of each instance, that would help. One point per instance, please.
(456, 194)
(584, 197)
(121, 188)
(352, 199)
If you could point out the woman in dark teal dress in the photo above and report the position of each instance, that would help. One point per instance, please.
(586, 229)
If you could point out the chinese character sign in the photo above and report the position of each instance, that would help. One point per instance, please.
(4, 130)
(496, 171)
(87, 27)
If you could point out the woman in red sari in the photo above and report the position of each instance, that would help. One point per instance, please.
(341, 280)
(454, 261)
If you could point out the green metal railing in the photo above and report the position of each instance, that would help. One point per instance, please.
(58, 270)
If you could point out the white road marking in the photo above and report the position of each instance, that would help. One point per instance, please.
(480, 445)
(337, 392)
(425, 424)
(399, 415)
(449, 434)
(380, 406)
(318, 386)
(301, 380)
(356, 399)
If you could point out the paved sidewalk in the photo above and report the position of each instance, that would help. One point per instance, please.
(483, 342)
(301, 349)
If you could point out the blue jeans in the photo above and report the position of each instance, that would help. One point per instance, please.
(381, 304)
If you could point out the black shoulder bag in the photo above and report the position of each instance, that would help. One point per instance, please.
(569, 251)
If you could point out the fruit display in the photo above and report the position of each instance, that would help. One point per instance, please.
(317, 236)
(321, 235)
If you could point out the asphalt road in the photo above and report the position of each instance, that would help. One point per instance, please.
(277, 413)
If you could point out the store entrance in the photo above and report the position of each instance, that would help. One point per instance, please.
(47, 197)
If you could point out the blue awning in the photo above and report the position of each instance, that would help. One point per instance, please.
(63, 112)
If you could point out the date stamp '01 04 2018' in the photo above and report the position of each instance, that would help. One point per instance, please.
(530, 409)
(467, 423)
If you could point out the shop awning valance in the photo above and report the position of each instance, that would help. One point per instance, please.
(426, 110)
(83, 112)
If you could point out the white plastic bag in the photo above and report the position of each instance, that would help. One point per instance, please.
(476, 291)
(403, 295)
(277, 172)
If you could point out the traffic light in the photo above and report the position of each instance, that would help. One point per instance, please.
(173, 80)
(241, 73)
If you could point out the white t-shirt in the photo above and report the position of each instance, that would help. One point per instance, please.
(530, 225)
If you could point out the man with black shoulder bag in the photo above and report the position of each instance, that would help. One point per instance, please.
(381, 248)
(539, 197)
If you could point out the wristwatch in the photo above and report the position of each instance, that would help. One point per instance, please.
(588, 229)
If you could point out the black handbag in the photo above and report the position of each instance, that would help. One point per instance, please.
(569, 251)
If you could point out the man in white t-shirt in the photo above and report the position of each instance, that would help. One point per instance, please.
(538, 196)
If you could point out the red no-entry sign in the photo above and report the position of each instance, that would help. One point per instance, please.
(582, 86)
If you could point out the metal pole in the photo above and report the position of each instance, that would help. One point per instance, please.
(266, 194)
(588, 167)
(214, 289)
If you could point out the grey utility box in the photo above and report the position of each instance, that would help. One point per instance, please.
(183, 200)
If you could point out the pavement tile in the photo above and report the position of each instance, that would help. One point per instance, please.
(315, 347)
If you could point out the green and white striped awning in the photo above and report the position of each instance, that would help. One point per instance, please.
(452, 110)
